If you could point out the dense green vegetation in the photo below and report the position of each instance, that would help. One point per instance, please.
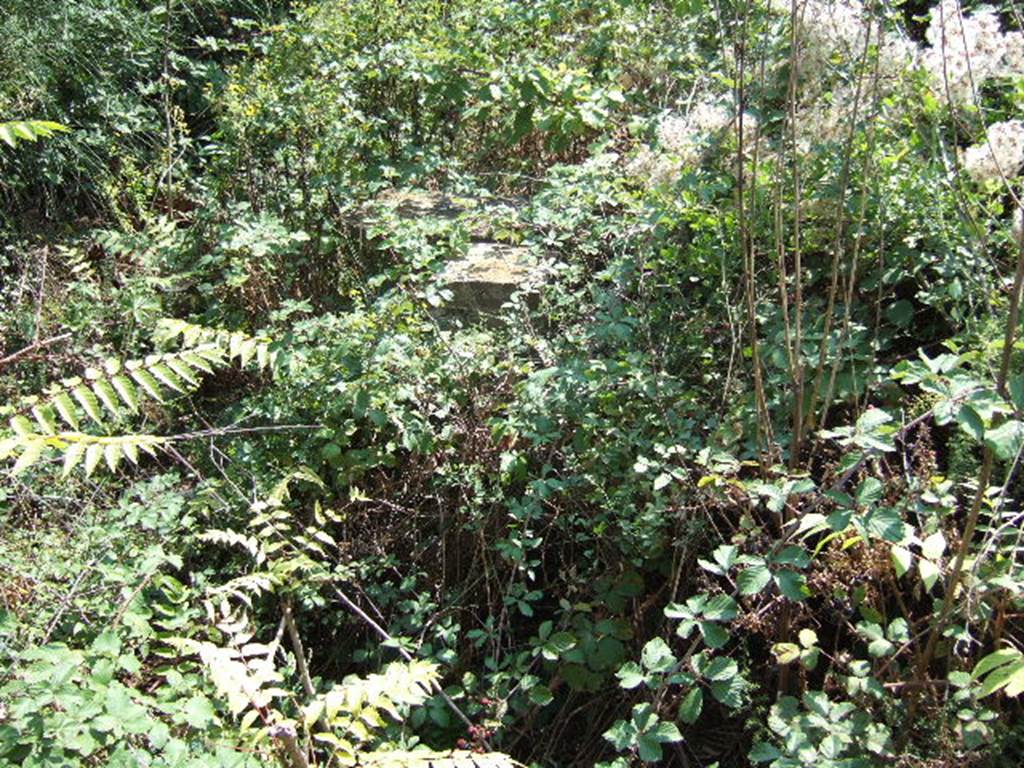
(733, 480)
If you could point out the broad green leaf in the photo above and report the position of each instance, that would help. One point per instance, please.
(720, 608)
(970, 422)
(869, 492)
(649, 748)
(934, 546)
(752, 580)
(929, 572)
(902, 559)
(657, 656)
(786, 653)
(720, 668)
(763, 753)
(714, 634)
(792, 584)
(1006, 439)
(198, 712)
(994, 660)
(665, 732)
(691, 705)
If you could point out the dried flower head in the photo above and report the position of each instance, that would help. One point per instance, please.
(1001, 154)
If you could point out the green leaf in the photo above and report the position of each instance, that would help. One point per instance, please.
(557, 644)
(691, 706)
(877, 644)
(126, 390)
(148, 383)
(89, 402)
(168, 377)
(93, 455)
(106, 394)
(30, 454)
(649, 748)
(1009, 677)
(763, 753)
(46, 418)
(198, 712)
(630, 675)
(902, 559)
(714, 635)
(929, 572)
(729, 692)
(657, 656)
(621, 735)
(792, 584)
(66, 408)
(786, 653)
(541, 695)
(720, 608)
(181, 368)
(665, 732)
(970, 422)
(112, 454)
(934, 546)
(1006, 439)
(107, 643)
(72, 458)
(994, 660)
(752, 580)
(869, 492)
(885, 523)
